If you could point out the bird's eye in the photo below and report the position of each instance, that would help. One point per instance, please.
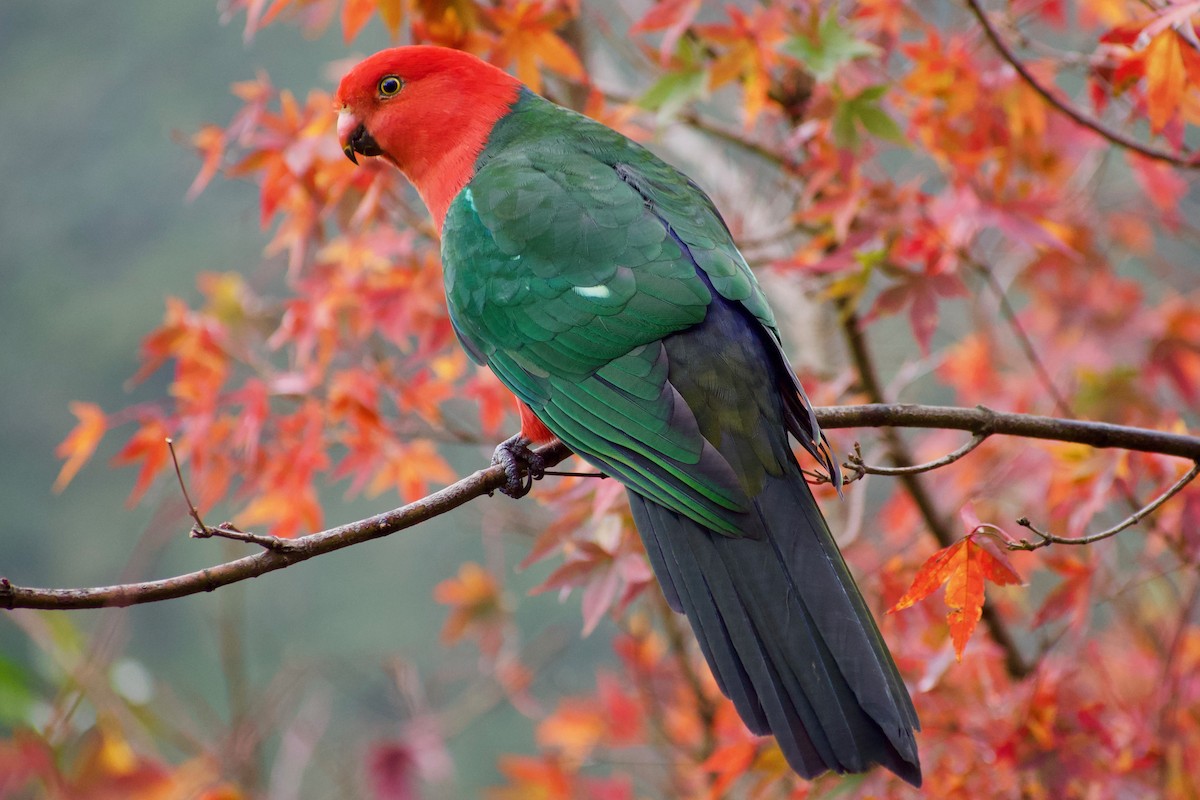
(390, 86)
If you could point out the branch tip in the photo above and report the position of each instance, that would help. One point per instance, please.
(1046, 539)
(1183, 160)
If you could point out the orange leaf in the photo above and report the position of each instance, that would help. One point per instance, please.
(933, 573)
(574, 729)
(148, 445)
(1165, 79)
(355, 14)
(673, 17)
(728, 763)
(475, 600)
(81, 442)
(965, 567)
(210, 142)
(964, 595)
(409, 468)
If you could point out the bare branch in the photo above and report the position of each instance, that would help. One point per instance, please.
(227, 530)
(1047, 539)
(856, 465)
(1028, 426)
(302, 548)
(1015, 662)
(183, 488)
(1061, 406)
(278, 553)
(1116, 137)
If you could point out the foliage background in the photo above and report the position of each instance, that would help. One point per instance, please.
(94, 231)
(302, 684)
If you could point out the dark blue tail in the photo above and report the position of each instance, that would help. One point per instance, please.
(787, 633)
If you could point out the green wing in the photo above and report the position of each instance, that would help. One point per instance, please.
(566, 269)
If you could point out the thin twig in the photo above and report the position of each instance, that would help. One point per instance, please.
(1046, 539)
(1002, 423)
(1010, 316)
(1114, 136)
(183, 488)
(1015, 662)
(227, 530)
(859, 468)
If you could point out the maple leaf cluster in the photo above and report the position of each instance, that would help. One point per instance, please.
(1006, 188)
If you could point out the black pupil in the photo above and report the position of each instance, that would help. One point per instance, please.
(390, 86)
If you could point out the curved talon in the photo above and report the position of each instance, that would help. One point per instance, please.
(521, 465)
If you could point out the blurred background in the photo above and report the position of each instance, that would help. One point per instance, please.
(98, 100)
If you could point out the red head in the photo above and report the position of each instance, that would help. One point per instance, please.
(428, 110)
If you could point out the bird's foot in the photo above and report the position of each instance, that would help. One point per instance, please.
(521, 465)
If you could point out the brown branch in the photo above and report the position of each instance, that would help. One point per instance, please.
(1046, 539)
(1027, 426)
(1023, 341)
(978, 421)
(1015, 662)
(302, 548)
(1094, 125)
(858, 468)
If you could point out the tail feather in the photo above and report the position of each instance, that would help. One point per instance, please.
(787, 634)
(691, 595)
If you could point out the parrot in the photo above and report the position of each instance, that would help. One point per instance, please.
(603, 288)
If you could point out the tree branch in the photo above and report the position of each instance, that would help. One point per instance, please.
(302, 548)
(980, 420)
(1046, 539)
(1114, 136)
(976, 420)
(858, 468)
(1015, 662)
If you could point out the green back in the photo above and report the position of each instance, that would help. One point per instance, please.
(569, 258)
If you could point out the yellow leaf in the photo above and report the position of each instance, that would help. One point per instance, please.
(392, 14)
(1165, 79)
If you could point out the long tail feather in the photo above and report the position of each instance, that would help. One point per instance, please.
(787, 634)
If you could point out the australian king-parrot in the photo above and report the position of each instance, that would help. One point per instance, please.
(603, 288)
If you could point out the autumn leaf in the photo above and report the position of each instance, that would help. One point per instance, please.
(148, 446)
(920, 293)
(392, 13)
(580, 724)
(527, 36)
(1166, 79)
(1070, 596)
(409, 468)
(728, 764)
(672, 17)
(964, 567)
(534, 779)
(608, 563)
(355, 14)
(210, 143)
(392, 771)
(476, 605)
(749, 54)
(287, 511)
(81, 442)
